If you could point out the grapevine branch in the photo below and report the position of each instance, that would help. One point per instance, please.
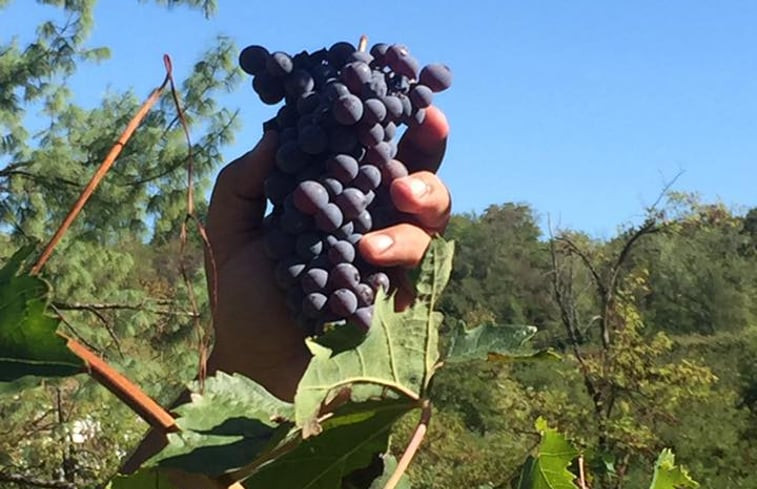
(203, 336)
(99, 369)
(412, 447)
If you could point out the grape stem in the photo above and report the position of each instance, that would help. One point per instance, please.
(412, 447)
(362, 45)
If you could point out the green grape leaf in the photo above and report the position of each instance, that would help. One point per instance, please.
(399, 354)
(225, 427)
(29, 344)
(547, 469)
(349, 440)
(667, 475)
(494, 343)
(142, 479)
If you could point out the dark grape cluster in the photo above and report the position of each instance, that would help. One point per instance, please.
(334, 165)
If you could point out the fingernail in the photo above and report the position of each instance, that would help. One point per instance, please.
(380, 243)
(417, 187)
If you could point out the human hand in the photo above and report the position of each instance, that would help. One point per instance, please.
(255, 334)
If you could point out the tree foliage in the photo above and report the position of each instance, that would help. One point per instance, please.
(656, 327)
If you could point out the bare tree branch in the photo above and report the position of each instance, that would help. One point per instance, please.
(600, 284)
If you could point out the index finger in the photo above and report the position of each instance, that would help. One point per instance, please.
(422, 147)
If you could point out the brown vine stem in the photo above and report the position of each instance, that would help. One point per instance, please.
(97, 177)
(203, 336)
(412, 447)
(99, 369)
(581, 475)
(124, 389)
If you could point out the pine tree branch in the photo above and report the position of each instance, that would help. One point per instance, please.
(108, 306)
(29, 480)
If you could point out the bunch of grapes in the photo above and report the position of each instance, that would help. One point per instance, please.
(334, 166)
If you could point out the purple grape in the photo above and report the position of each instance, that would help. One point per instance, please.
(375, 87)
(314, 280)
(351, 202)
(290, 159)
(390, 130)
(333, 186)
(363, 222)
(354, 238)
(437, 77)
(407, 106)
(252, 59)
(279, 64)
(287, 116)
(364, 294)
(399, 59)
(363, 318)
(309, 196)
(339, 53)
(418, 117)
(298, 83)
(329, 218)
(341, 251)
(378, 51)
(268, 88)
(370, 135)
(368, 178)
(342, 302)
(344, 275)
(393, 107)
(355, 74)
(313, 304)
(361, 56)
(391, 171)
(343, 167)
(379, 154)
(335, 89)
(421, 96)
(345, 230)
(374, 111)
(347, 109)
(378, 280)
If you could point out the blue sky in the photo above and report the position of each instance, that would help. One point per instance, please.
(583, 109)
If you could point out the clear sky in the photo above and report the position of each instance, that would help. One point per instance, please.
(583, 109)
